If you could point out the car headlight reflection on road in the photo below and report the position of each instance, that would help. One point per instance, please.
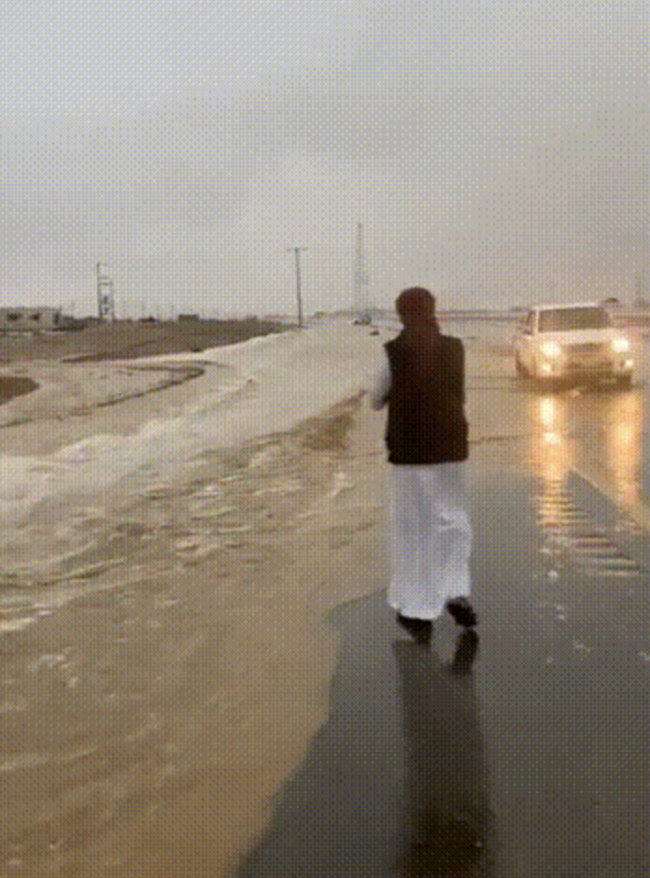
(547, 410)
(621, 345)
(551, 349)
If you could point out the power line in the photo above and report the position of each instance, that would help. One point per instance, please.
(360, 276)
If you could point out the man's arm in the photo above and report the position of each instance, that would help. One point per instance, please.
(379, 387)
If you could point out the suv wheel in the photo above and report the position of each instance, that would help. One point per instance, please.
(519, 367)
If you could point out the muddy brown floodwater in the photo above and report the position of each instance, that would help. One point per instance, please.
(11, 386)
(148, 720)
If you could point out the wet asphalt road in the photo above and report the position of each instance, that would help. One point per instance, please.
(523, 753)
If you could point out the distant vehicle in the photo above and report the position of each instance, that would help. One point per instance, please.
(572, 342)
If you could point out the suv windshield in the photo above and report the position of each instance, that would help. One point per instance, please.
(565, 319)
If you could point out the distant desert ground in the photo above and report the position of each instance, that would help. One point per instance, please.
(126, 339)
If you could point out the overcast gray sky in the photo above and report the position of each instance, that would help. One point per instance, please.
(495, 150)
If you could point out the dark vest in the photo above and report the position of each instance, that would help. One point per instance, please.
(426, 419)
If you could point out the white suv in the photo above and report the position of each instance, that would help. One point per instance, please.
(573, 342)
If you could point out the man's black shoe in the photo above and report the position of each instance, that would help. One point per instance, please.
(419, 629)
(466, 651)
(462, 612)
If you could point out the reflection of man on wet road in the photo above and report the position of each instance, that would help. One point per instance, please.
(423, 385)
(447, 818)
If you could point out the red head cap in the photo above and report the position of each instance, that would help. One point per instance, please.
(416, 306)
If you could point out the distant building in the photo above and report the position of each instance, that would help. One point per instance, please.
(31, 319)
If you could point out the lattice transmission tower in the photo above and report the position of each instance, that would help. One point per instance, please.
(105, 298)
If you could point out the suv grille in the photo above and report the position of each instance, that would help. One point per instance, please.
(592, 347)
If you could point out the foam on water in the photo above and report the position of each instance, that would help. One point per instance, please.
(271, 383)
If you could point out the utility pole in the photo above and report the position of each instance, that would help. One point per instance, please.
(296, 252)
(361, 303)
(99, 289)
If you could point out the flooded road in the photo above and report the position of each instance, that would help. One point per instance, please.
(222, 691)
(522, 751)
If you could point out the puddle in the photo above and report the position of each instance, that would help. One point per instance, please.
(575, 537)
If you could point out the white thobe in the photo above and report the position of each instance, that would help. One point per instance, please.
(430, 531)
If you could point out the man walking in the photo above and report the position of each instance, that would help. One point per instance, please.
(423, 385)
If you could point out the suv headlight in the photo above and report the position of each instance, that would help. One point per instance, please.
(551, 349)
(621, 345)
